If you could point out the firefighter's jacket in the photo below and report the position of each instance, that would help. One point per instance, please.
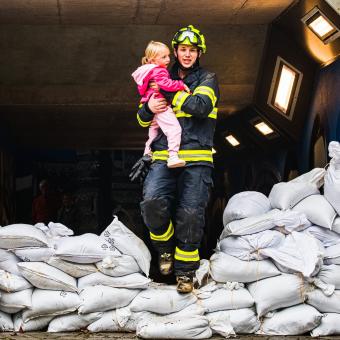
(196, 113)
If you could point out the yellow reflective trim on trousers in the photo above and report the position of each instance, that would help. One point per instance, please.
(179, 99)
(186, 256)
(141, 123)
(187, 155)
(166, 236)
(212, 114)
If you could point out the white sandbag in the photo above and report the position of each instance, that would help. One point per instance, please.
(332, 177)
(202, 273)
(226, 268)
(224, 299)
(86, 248)
(6, 323)
(72, 322)
(128, 243)
(37, 324)
(136, 280)
(323, 303)
(8, 262)
(163, 327)
(118, 265)
(317, 210)
(161, 300)
(242, 321)
(315, 176)
(21, 235)
(330, 325)
(76, 270)
(102, 298)
(54, 230)
(327, 237)
(245, 204)
(294, 320)
(286, 195)
(17, 300)
(44, 276)
(300, 252)
(36, 254)
(330, 275)
(336, 225)
(251, 225)
(249, 247)
(51, 302)
(332, 254)
(12, 283)
(290, 220)
(277, 292)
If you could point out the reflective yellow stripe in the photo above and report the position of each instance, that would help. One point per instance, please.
(141, 123)
(212, 114)
(166, 236)
(206, 90)
(186, 256)
(187, 155)
(179, 99)
(213, 102)
(140, 105)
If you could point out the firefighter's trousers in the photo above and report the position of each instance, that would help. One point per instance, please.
(173, 209)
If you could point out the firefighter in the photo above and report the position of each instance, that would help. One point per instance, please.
(174, 200)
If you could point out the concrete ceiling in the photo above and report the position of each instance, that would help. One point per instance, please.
(142, 12)
(65, 65)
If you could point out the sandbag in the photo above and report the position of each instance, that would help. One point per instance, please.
(128, 243)
(6, 323)
(332, 254)
(330, 275)
(161, 300)
(12, 283)
(86, 248)
(294, 320)
(36, 254)
(21, 235)
(17, 300)
(51, 302)
(249, 247)
(44, 276)
(315, 176)
(163, 327)
(290, 220)
(300, 252)
(330, 325)
(132, 281)
(37, 324)
(245, 204)
(242, 321)
(8, 262)
(277, 292)
(76, 270)
(118, 265)
(323, 303)
(102, 298)
(336, 225)
(317, 210)
(251, 225)
(286, 195)
(327, 237)
(224, 268)
(332, 177)
(72, 322)
(224, 299)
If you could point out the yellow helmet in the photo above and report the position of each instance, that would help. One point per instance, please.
(189, 35)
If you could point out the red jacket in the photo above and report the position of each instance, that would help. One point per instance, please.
(151, 72)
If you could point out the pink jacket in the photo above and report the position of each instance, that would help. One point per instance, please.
(158, 74)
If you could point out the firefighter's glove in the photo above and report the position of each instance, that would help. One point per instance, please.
(140, 169)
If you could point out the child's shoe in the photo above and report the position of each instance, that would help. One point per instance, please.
(175, 162)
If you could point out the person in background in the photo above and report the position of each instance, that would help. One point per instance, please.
(45, 206)
(69, 214)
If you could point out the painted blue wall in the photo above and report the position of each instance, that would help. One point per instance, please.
(326, 105)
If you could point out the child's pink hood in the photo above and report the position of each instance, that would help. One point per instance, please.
(142, 72)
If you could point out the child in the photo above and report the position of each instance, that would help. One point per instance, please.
(154, 64)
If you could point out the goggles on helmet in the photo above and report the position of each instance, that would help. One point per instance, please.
(193, 37)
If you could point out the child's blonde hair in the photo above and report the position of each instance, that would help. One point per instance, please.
(152, 50)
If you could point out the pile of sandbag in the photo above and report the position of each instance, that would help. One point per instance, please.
(285, 249)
